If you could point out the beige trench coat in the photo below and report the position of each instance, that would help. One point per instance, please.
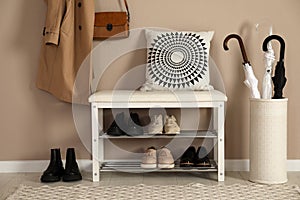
(68, 36)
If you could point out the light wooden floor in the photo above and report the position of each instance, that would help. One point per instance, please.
(10, 182)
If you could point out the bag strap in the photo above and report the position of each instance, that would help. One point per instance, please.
(128, 14)
(127, 10)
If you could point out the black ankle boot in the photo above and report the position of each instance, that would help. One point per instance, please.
(55, 169)
(72, 172)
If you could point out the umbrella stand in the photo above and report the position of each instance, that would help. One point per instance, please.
(268, 130)
(268, 140)
(250, 80)
(279, 79)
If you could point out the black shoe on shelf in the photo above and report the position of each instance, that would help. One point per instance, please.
(134, 125)
(55, 170)
(72, 172)
(118, 126)
(201, 158)
(188, 157)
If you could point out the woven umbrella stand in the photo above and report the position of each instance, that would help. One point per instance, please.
(268, 140)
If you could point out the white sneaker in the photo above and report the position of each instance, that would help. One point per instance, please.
(165, 158)
(156, 125)
(171, 127)
(149, 160)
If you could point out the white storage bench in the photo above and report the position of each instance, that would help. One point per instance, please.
(114, 99)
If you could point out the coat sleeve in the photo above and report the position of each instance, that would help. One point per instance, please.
(55, 12)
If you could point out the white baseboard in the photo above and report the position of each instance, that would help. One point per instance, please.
(237, 165)
(86, 165)
(36, 166)
(243, 165)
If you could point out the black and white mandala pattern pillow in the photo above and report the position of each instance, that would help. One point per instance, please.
(177, 60)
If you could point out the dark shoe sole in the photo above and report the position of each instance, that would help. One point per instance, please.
(187, 164)
(115, 132)
(50, 179)
(202, 165)
(72, 178)
(115, 135)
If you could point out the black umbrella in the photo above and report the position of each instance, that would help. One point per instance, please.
(279, 79)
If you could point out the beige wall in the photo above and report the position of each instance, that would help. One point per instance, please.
(32, 121)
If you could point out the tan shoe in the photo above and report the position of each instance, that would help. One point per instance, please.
(156, 125)
(171, 127)
(165, 158)
(149, 160)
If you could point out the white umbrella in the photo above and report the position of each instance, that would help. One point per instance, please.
(267, 80)
(250, 80)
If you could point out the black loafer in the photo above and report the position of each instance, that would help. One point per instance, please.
(134, 125)
(118, 126)
(187, 159)
(201, 158)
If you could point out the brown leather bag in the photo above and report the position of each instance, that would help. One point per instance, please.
(111, 24)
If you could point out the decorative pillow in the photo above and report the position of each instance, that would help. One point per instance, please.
(177, 60)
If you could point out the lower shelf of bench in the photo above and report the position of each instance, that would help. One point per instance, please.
(134, 167)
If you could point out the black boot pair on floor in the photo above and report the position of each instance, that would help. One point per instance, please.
(55, 171)
(193, 158)
(120, 127)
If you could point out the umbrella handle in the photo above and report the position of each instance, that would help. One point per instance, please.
(240, 43)
(278, 38)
